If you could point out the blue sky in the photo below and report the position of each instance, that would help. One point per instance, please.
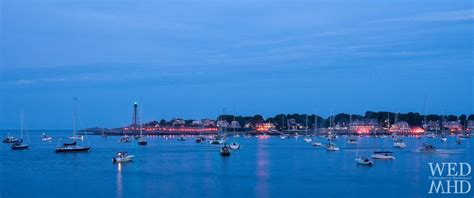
(187, 58)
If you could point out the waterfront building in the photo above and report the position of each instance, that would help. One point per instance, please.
(400, 127)
(235, 124)
(208, 123)
(363, 126)
(222, 124)
(196, 123)
(452, 126)
(264, 126)
(176, 122)
(470, 125)
(293, 125)
(432, 125)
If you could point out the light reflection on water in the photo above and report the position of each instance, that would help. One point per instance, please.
(119, 180)
(261, 170)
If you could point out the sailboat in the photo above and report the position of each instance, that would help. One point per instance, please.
(20, 144)
(72, 147)
(385, 155)
(141, 139)
(351, 139)
(331, 146)
(398, 143)
(362, 160)
(307, 138)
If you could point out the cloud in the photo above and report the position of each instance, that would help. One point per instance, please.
(451, 16)
(251, 43)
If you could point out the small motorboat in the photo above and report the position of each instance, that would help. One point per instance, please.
(248, 136)
(225, 151)
(430, 135)
(76, 137)
(46, 138)
(351, 140)
(217, 140)
(296, 136)
(284, 136)
(399, 143)
(428, 148)
(181, 138)
(364, 161)
(142, 141)
(331, 147)
(200, 139)
(10, 139)
(317, 144)
(234, 145)
(385, 155)
(308, 139)
(444, 139)
(125, 139)
(122, 157)
(332, 138)
(19, 145)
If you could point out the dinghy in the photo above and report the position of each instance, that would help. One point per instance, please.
(234, 146)
(225, 151)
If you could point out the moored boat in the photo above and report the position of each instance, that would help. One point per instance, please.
(351, 140)
(428, 148)
(122, 157)
(71, 147)
(385, 155)
(10, 139)
(181, 138)
(46, 138)
(225, 151)
(398, 143)
(331, 147)
(200, 139)
(234, 145)
(364, 161)
(19, 145)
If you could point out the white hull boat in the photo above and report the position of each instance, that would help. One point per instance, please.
(364, 161)
(384, 155)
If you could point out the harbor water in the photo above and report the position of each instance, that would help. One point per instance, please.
(272, 167)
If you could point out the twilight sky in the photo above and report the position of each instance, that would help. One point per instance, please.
(187, 58)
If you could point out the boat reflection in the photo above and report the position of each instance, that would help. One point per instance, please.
(262, 171)
(119, 181)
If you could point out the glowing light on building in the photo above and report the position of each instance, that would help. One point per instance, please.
(417, 130)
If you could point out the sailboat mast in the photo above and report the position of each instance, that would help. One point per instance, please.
(306, 125)
(21, 124)
(75, 117)
(141, 121)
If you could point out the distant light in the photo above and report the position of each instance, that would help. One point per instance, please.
(417, 130)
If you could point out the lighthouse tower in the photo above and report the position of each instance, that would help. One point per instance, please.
(135, 115)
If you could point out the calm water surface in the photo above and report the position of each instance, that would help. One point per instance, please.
(261, 168)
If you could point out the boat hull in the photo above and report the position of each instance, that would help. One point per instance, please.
(21, 147)
(72, 150)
